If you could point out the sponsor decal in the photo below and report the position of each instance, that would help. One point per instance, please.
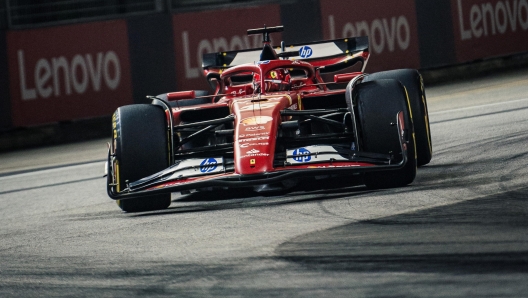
(301, 155)
(83, 72)
(255, 155)
(256, 120)
(263, 62)
(492, 18)
(208, 165)
(254, 134)
(485, 28)
(259, 106)
(254, 139)
(191, 41)
(240, 91)
(195, 166)
(253, 144)
(332, 166)
(254, 128)
(293, 107)
(305, 52)
(75, 71)
(315, 153)
(390, 25)
(253, 151)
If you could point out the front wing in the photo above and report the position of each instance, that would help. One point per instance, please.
(173, 179)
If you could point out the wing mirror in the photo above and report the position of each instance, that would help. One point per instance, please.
(181, 95)
(345, 77)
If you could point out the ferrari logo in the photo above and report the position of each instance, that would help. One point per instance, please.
(252, 161)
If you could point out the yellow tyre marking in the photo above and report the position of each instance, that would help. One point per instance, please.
(118, 186)
(408, 102)
(415, 151)
(410, 112)
(426, 117)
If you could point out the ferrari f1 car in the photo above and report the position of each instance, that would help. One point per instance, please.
(271, 121)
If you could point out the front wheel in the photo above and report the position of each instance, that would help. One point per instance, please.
(377, 105)
(412, 81)
(141, 149)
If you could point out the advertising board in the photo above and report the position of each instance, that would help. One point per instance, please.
(68, 72)
(390, 25)
(488, 28)
(197, 33)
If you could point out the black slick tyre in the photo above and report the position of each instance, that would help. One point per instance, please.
(377, 105)
(141, 149)
(412, 80)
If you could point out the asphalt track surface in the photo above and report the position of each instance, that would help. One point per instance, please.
(460, 230)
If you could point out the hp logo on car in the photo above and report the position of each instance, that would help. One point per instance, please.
(305, 52)
(208, 165)
(301, 155)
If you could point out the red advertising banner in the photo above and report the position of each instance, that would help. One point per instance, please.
(68, 72)
(215, 31)
(390, 26)
(487, 28)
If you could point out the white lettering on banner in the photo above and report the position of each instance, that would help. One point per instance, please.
(383, 33)
(190, 72)
(26, 93)
(77, 74)
(79, 85)
(95, 73)
(43, 64)
(111, 57)
(486, 19)
(218, 44)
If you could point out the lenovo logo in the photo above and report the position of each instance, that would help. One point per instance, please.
(58, 75)
(384, 33)
(490, 19)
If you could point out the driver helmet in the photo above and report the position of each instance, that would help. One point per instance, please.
(277, 80)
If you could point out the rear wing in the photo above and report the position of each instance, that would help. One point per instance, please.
(328, 55)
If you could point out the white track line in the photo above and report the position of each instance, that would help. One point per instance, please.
(480, 106)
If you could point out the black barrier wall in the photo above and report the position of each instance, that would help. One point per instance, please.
(435, 33)
(5, 104)
(160, 52)
(151, 55)
(302, 21)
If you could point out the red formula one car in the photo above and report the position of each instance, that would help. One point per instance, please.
(271, 121)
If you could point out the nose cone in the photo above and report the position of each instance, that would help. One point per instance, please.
(256, 129)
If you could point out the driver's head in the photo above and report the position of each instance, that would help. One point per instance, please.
(276, 74)
(277, 80)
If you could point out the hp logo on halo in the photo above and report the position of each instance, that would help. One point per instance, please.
(305, 52)
(208, 165)
(301, 155)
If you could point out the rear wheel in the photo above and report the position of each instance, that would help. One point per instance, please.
(377, 104)
(412, 80)
(141, 149)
